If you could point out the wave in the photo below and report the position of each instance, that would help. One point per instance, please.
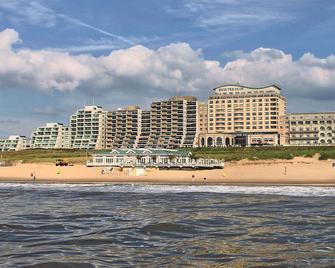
(302, 191)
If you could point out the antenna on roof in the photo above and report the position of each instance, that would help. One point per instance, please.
(84, 101)
(93, 100)
(178, 89)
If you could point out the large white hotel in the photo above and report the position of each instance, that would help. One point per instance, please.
(233, 115)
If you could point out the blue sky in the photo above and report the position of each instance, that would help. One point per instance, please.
(57, 55)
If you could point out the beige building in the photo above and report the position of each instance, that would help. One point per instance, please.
(124, 127)
(202, 117)
(88, 128)
(14, 143)
(245, 116)
(51, 136)
(173, 123)
(311, 129)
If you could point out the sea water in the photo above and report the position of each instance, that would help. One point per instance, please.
(141, 225)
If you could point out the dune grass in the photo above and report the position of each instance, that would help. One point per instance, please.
(227, 154)
(254, 153)
(47, 156)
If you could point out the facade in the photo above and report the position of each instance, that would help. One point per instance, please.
(245, 116)
(124, 127)
(311, 129)
(14, 143)
(173, 123)
(88, 128)
(152, 158)
(202, 118)
(51, 136)
(145, 129)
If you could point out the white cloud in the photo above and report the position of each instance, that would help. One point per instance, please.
(230, 13)
(35, 12)
(139, 72)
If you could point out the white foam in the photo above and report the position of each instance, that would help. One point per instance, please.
(154, 188)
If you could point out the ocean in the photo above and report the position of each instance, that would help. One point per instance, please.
(139, 225)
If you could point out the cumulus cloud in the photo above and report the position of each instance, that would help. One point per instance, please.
(140, 71)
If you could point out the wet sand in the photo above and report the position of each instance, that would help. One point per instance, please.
(296, 171)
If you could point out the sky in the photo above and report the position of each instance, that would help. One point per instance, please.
(57, 55)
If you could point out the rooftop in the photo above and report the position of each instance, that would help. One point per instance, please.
(149, 151)
(246, 87)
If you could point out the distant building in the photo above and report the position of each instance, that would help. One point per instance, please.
(88, 128)
(311, 129)
(14, 143)
(124, 127)
(51, 136)
(173, 123)
(245, 116)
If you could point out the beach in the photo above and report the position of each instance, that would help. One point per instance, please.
(296, 171)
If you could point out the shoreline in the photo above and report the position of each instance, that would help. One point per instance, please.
(89, 182)
(298, 171)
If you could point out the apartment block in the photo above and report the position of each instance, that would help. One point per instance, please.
(88, 128)
(245, 116)
(145, 129)
(202, 117)
(51, 136)
(173, 123)
(124, 128)
(311, 128)
(14, 143)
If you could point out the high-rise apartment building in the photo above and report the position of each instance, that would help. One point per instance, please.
(124, 128)
(14, 143)
(245, 116)
(51, 136)
(145, 129)
(202, 117)
(88, 128)
(311, 128)
(173, 123)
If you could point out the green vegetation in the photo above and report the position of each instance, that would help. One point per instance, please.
(46, 156)
(228, 154)
(254, 153)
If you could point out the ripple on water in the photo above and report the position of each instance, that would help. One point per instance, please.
(60, 265)
(168, 226)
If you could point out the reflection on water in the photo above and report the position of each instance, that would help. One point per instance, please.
(166, 226)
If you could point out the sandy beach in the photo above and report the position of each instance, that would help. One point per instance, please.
(296, 171)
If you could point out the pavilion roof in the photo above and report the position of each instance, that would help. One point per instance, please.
(147, 151)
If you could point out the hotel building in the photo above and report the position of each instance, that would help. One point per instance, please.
(51, 136)
(88, 128)
(245, 116)
(124, 127)
(173, 123)
(14, 143)
(311, 128)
